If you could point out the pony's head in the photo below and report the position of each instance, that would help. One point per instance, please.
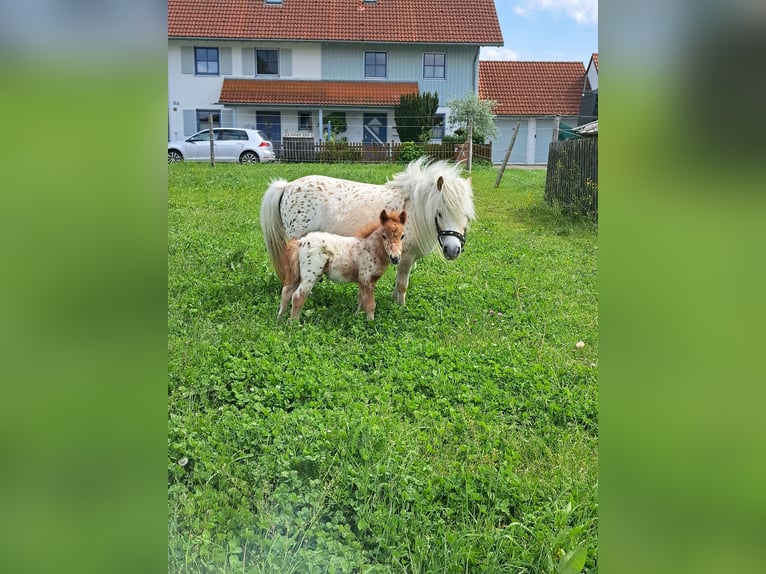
(453, 215)
(393, 233)
(442, 205)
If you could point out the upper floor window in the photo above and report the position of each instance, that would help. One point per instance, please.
(206, 61)
(375, 64)
(434, 65)
(266, 62)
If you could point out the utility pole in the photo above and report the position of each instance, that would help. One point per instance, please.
(470, 144)
(212, 137)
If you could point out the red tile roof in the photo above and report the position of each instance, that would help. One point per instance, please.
(594, 58)
(438, 21)
(532, 88)
(287, 92)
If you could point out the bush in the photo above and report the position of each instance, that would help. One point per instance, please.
(409, 151)
(339, 151)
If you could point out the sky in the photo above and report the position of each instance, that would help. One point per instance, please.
(546, 30)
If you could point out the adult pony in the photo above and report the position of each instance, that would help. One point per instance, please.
(439, 205)
(362, 259)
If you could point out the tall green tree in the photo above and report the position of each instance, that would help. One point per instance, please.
(414, 116)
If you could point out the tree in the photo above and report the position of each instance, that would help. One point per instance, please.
(337, 123)
(414, 116)
(473, 114)
(475, 117)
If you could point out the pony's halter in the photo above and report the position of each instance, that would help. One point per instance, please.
(448, 232)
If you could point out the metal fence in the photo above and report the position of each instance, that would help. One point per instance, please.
(305, 149)
(572, 178)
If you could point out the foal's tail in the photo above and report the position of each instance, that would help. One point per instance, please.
(272, 226)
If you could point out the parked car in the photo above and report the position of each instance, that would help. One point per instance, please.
(229, 144)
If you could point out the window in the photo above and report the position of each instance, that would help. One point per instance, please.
(267, 62)
(202, 119)
(375, 64)
(437, 132)
(433, 66)
(236, 135)
(304, 121)
(206, 61)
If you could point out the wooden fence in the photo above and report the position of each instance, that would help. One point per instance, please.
(308, 150)
(572, 178)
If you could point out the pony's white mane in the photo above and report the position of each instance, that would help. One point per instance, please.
(418, 185)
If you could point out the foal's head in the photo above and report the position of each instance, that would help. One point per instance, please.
(393, 233)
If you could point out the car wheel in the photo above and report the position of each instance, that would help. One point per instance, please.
(249, 157)
(174, 156)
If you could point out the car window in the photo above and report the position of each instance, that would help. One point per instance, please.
(201, 136)
(262, 135)
(237, 135)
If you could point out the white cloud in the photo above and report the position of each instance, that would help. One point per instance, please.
(581, 11)
(495, 53)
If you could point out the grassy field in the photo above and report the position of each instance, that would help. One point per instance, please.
(455, 434)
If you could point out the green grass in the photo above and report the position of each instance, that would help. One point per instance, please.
(455, 434)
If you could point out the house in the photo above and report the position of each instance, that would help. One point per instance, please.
(537, 93)
(287, 66)
(589, 105)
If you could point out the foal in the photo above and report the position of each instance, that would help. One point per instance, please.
(362, 259)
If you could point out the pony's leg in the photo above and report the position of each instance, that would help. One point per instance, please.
(402, 279)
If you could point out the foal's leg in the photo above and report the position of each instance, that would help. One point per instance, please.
(311, 272)
(287, 293)
(402, 279)
(300, 296)
(367, 299)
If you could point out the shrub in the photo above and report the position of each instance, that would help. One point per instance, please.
(409, 151)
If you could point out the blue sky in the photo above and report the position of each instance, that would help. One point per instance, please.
(546, 30)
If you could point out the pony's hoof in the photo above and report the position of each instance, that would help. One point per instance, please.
(398, 298)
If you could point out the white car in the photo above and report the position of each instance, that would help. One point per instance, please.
(229, 144)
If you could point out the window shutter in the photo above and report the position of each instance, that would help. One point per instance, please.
(227, 118)
(224, 57)
(187, 59)
(190, 122)
(285, 62)
(248, 62)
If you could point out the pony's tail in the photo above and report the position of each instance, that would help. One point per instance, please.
(289, 268)
(272, 227)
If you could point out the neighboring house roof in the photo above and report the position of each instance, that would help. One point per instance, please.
(328, 93)
(437, 21)
(587, 129)
(532, 88)
(594, 59)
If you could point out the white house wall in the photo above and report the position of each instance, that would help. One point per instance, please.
(192, 92)
(592, 77)
(533, 141)
(313, 61)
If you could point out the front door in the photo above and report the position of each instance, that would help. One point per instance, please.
(374, 128)
(270, 124)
